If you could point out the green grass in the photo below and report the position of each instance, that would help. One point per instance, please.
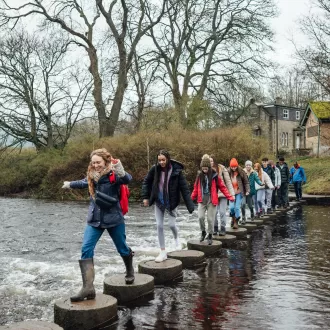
(318, 174)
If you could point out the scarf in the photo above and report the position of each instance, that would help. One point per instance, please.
(94, 176)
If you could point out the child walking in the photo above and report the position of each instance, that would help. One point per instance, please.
(205, 191)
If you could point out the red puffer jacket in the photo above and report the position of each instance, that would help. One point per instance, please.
(216, 184)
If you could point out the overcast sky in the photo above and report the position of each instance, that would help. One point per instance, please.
(286, 26)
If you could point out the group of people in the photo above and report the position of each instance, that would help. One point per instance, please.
(261, 187)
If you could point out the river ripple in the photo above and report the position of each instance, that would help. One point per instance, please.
(282, 281)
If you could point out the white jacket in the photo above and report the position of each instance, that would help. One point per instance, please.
(277, 177)
(265, 180)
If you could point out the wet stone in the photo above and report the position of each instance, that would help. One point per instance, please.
(115, 286)
(204, 247)
(226, 240)
(236, 232)
(189, 258)
(32, 325)
(249, 227)
(86, 314)
(165, 271)
(257, 222)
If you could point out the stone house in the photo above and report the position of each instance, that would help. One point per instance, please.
(279, 123)
(315, 125)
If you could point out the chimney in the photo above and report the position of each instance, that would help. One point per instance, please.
(278, 100)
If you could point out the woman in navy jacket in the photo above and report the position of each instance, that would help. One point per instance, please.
(104, 177)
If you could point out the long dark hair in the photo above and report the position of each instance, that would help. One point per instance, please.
(165, 153)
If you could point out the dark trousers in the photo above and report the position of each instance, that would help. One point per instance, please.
(297, 189)
(247, 200)
(283, 194)
(275, 198)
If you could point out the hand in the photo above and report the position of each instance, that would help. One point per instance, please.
(114, 161)
(66, 185)
(272, 188)
(247, 193)
(146, 202)
(278, 187)
(232, 199)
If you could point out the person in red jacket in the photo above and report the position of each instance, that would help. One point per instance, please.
(206, 188)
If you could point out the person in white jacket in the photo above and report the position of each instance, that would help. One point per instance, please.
(277, 186)
(260, 205)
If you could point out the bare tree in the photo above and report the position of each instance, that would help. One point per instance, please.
(201, 40)
(78, 20)
(295, 87)
(42, 94)
(315, 56)
(143, 77)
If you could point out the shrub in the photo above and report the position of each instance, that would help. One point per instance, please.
(47, 171)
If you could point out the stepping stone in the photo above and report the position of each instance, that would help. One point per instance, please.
(165, 271)
(115, 286)
(189, 258)
(226, 240)
(257, 222)
(204, 247)
(249, 226)
(87, 314)
(236, 232)
(266, 217)
(31, 325)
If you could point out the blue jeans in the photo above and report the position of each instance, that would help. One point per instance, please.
(235, 207)
(93, 234)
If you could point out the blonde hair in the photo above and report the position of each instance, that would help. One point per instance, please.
(106, 156)
(259, 170)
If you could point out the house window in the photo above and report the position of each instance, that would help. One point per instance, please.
(284, 139)
(297, 115)
(285, 114)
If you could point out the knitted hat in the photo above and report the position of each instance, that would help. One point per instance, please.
(233, 162)
(248, 162)
(206, 161)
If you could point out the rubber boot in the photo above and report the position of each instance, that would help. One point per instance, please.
(87, 273)
(128, 261)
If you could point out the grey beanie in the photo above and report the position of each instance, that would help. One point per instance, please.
(248, 162)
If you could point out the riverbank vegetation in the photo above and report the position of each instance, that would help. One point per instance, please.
(41, 174)
(318, 175)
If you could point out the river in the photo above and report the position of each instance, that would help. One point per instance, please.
(281, 281)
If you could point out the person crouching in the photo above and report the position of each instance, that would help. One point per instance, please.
(206, 188)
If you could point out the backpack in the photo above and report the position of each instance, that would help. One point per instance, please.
(123, 193)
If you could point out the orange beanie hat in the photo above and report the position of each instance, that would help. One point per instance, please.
(233, 162)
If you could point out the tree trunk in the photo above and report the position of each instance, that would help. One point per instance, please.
(97, 93)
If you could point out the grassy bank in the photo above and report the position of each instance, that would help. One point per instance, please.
(318, 174)
(41, 175)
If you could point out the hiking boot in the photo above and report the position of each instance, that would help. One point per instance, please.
(222, 231)
(235, 226)
(202, 236)
(209, 239)
(232, 221)
(243, 221)
(215, 230)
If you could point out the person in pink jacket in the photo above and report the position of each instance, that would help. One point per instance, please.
(205, 191)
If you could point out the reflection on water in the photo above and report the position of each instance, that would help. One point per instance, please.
(281, 281)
